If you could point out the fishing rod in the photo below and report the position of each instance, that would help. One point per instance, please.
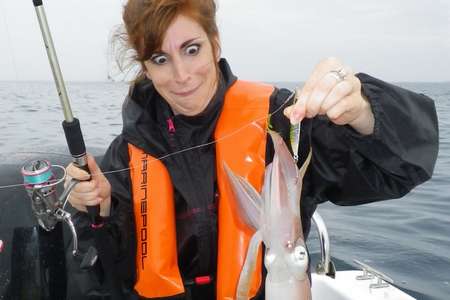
(71, 125)
(39, 179)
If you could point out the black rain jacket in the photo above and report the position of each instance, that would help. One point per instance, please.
(346, 169)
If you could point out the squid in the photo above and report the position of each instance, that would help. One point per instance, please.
(275, 217)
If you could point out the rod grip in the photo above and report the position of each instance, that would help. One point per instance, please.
(74, 138)
(77, 148)
(93, 211)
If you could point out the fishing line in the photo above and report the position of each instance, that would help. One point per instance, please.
(51, 182)
(226, 136)
(11, 186)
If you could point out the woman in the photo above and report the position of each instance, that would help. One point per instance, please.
(164, 221)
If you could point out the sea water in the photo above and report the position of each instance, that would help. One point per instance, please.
(408, 239)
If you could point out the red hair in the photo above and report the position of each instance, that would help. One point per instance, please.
(146, 22)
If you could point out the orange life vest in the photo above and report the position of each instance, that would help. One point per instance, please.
(241, 143)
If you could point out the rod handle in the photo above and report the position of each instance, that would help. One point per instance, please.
(93, 211)
(74, 138)
(77, 148)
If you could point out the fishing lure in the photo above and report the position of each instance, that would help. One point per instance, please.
(294, 132)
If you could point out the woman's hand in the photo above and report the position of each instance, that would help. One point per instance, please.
(96, 191)
(333, 90)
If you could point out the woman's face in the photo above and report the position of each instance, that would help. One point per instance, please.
(184, 70)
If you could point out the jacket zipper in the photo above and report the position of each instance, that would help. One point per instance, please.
(170, 126)
(203, 265)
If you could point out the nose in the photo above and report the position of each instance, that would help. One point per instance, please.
(180, 71)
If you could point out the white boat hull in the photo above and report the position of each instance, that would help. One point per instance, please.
(345, 286)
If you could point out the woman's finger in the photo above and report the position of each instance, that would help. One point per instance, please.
(338, 114)
(93, 166)
(298, 109)
(314, 91)
(94, 202)
(77, 173)
(339, 92)
(83, 192)
(94, 193)
(303, 94)
(85, 186)
(319, 94)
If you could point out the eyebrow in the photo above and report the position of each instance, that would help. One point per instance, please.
(189, 42)
(184, 44)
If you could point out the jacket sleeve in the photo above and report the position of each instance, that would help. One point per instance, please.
(349, 169)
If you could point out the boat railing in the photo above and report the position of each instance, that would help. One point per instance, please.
(325, 266)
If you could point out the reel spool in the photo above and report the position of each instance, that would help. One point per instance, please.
(39, 182)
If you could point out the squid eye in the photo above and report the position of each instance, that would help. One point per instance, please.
(158, 59)
(192, 49)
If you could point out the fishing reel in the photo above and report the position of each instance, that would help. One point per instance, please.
(40, 183)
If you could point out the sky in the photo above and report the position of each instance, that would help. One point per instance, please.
(263, 40)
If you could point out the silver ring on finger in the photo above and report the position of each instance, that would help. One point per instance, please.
(339, 75)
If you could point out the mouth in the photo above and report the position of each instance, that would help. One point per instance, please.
(186, 93)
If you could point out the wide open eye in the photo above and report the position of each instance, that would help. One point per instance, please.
(192, 49)
(158, 59)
